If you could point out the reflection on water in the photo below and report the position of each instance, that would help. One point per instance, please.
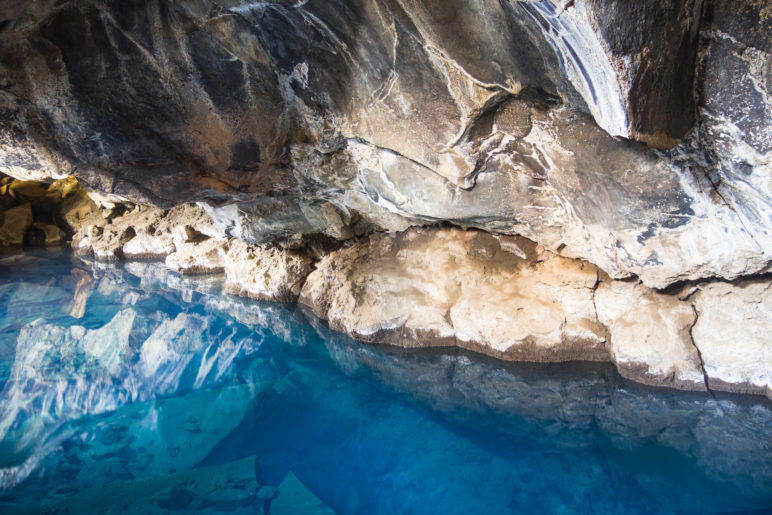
(135, 388)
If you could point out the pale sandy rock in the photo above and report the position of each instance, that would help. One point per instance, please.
(265, 273)
(649, 335)
(205, 257)
(149, 241)
(505, 297)
(15, 222)
(195, 221)
(106, 200)
(733, 335)
(160, 233)
(148, 233)
(103, 242)
(148, 246)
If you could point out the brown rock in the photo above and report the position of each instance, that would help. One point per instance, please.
(75, 210)
(65, 187)
(27, 191)
(15, 223)
(50, 235)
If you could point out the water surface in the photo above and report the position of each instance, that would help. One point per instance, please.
(130, 388)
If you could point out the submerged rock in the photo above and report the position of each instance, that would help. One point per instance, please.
(294, 498)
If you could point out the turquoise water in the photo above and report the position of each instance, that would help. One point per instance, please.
(131, 389)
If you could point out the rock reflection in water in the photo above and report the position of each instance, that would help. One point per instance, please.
(164, 374)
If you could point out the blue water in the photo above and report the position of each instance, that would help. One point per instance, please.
(127, 388)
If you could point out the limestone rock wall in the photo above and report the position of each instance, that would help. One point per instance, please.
(536, 118)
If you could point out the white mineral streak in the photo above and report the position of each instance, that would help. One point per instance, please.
(586, 63)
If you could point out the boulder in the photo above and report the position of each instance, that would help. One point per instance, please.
(15, 223)
(77, 211)
(265, 272)
(202, 257)
(104, 242)
(649, 335)
(506, 297)
(150, 240)
(50, 235)
(66, 187)
(733, 335)
(294, 498)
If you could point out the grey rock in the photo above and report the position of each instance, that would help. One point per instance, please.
(347, 117)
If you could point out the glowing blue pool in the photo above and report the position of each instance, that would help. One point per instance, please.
(132, 389)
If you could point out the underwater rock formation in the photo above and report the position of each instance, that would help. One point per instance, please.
(190, 379)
